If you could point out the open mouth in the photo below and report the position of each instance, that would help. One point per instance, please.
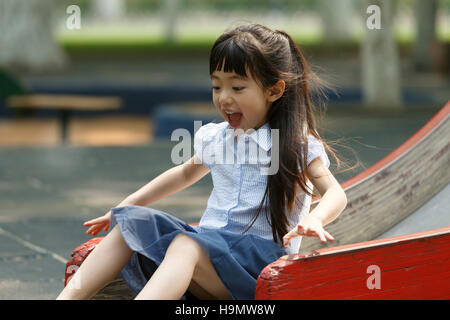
(234, 119)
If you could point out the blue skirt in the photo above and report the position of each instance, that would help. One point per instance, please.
(237, 258)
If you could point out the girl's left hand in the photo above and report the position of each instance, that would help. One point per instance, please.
(310, 227)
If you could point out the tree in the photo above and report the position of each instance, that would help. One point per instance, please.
(26, 40)
(426, 42)
(109, 9)
(336, 18)
(170, 11)
(380, 61)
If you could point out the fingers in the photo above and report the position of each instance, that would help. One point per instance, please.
(290, 235)
(322, 234)
(89, 223)
(93, 221)
(328, 236)
(286, 241)
(300, 230)
(96, 225)
(92, 230)
(95, 229)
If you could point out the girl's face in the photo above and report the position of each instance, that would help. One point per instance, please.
(240, 101)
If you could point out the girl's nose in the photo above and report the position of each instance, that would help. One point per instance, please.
(225, 99)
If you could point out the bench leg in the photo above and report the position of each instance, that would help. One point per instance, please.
(64, 120)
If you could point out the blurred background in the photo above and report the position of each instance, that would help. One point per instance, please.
(91, 90)
(150, 52)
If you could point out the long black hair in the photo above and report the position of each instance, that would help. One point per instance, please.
(271, 56)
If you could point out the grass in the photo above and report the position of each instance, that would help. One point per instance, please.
(122, 42)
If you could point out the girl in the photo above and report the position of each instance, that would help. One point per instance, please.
(260, 81)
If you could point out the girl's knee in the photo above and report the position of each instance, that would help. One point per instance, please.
(184, 245)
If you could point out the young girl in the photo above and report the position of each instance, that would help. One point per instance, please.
(261, 81)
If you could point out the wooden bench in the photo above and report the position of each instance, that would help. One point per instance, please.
(64, 104)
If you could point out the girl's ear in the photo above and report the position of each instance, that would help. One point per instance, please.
(276, 91)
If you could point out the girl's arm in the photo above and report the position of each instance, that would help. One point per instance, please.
(333, 200)
(169, 182)
(332, 203)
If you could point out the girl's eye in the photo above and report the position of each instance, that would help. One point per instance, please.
(234, 88)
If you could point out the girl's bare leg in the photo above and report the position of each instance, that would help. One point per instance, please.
(102, 266)
(185, 265)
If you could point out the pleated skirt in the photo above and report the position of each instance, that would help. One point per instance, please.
(237, 258)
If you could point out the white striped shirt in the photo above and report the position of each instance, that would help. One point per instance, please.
(239, 184)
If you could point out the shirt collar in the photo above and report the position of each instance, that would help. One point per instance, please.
(261, 136)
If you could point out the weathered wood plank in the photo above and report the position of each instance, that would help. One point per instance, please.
(116, 290)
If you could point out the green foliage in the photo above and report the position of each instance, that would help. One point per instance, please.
(135, 6)
(230, 5)
(9, 85)
(225, 5)
(139, 6)
(142, 6)
(444, 5)
(83, 4)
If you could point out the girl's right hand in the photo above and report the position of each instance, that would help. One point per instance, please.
(96, 225)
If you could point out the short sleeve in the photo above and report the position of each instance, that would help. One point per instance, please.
(316, 149)
(203, 146)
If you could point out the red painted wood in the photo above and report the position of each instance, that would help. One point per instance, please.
(414, 266)
(79, 254)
